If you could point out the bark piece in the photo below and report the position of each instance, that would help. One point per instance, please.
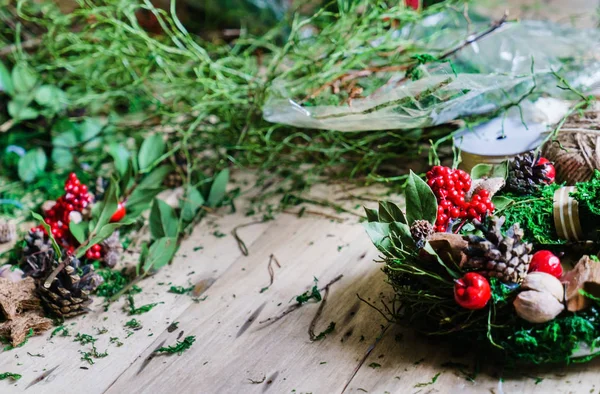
(585, 276)
(17, 329)
(16, 297)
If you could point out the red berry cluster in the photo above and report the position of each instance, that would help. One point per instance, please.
(450, 187)
(58, 217)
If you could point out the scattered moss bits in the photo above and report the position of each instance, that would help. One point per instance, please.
(179, 347)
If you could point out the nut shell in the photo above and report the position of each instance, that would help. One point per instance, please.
(537, 306)
(544, 282)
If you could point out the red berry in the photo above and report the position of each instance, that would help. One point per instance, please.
(472, 291)
(476, 198)
(550, 170)
(119, 213)
(484, 193)
(471, 213)
(546, 261)
(480, 207)
(454, 213)
(96, 248)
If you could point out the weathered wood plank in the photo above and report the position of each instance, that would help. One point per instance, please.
(227, 358)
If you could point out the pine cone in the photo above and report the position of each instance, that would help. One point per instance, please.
(112, 249)
(69, 293)
(420, 231)
(525, 176)
(35, 242)
(8, 231)
(505, 257)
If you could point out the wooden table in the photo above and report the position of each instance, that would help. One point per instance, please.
(236, 351)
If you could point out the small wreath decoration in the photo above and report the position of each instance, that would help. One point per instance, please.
(502, 258)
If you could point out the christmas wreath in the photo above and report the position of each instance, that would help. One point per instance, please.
(503, 258)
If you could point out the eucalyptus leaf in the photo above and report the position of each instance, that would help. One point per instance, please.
(421, 203)
(151, 150)
(155, 179)
(45, 95)
(90, 128)
(380, 235)
(32, 165)
(483, 170)
(163, 220)
(218, 188)
(120, 155)
(402, 232)
(160, 253)
(501, 202)
(372, 215)
(190, 204)
(140, 200)
(62, 158)
(24, 78)
(20, 110)
(109, 205)
(46, 226)
(390, 212)
(6, 84)
(79, 230)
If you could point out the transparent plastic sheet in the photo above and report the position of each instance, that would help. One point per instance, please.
(489, 74)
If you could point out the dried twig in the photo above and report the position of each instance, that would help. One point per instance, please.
(294, 307)
(240, 242)
(313, 323)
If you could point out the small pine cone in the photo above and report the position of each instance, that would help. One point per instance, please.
(504, 256)
(39, 265)
(8, 231)
(420, 231)
(525, 175)
(100, 189)
(69, 293)
(36, 242)
(112, 249)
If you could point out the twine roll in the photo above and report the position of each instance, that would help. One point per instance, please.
(576, 150)
(566, 215)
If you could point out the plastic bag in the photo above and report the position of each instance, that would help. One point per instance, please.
(496, 71)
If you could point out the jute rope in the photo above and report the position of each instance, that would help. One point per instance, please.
(576, 151)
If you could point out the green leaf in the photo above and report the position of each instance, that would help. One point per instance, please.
(390, 212)
(120, 155)
(160, 254)
(151, 150)
(108, 206)
(380, 235)
(218, 188)
(501, 202)
(55, 246)
(402, 232)
(163, 220)
(24, 78)
(140, 200)
(483, 170)
(32, 165)
(6, 84)
(155, 178)
(62, 158)
(90, 128)
(190, 204)
(372, 215)
(49, 96)
(20, 110)
(421, 203)
(79, 230)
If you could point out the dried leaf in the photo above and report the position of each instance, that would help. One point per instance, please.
(450, 248)
(585, 276)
